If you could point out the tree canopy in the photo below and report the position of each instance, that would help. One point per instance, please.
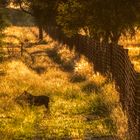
(105, 20)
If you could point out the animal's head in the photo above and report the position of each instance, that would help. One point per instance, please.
(23, 96)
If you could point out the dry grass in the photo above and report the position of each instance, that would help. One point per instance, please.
(86, 108)
(17, 35)
(133, 45)
(79, 109)
(69, 107)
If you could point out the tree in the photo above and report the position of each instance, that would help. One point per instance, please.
(103, 19)
(33, 8)
(4, 3)
(71, 16)
(43, 11)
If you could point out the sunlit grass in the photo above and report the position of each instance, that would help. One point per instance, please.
(133, 45)
(17, 35)
(87, 106)
(70, 106)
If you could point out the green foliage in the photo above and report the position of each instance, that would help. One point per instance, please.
(112, 18)
(105, 20)
(38, 9)
(71, 16)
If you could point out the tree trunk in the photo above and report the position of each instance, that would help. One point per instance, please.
(40, 32)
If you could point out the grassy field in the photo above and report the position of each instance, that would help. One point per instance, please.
(82, 103)
(133, 45)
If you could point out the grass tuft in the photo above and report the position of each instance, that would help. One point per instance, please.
(77, 77)
(90, 87)
(98, 107)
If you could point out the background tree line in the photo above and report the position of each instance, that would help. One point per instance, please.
(103, 20)
(3, 18)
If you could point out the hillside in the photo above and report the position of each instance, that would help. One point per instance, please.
(82, 104)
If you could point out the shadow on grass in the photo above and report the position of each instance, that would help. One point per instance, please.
(56, 58)
(77, 78)
(2, 73)
(39, 69)
(136, 57)
(90, 87)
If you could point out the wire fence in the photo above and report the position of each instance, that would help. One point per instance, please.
(112, 59)
(109, 58)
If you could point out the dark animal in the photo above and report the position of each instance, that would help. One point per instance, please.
(32, 100)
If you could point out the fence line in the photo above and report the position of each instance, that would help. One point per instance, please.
(114, 59)
(106, 58)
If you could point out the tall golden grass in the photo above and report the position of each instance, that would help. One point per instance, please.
(133, 46)
(79, 109)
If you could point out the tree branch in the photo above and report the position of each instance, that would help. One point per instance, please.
(25, 11)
